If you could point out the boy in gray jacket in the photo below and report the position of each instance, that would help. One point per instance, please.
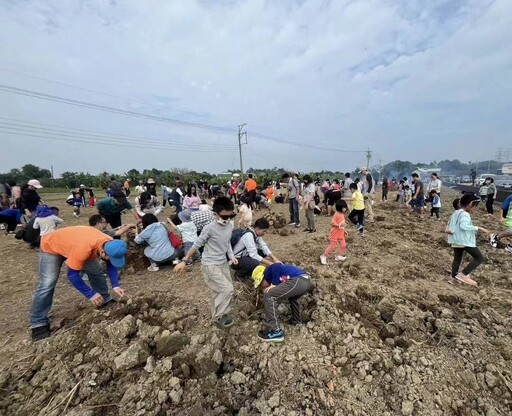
(216, 240)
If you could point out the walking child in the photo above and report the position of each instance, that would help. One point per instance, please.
(76, 202)
(337, 234)
(435, 200)
(356, 216)
(216, 240)
(462, 237)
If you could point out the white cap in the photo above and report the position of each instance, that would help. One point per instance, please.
(35, 183)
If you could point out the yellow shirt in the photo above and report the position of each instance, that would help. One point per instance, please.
(358, 202)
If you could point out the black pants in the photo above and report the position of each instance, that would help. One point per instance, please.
(435, 211)
(245, 266)
(10, 221)
(489, 204)
(458, 253)
(292, 290)
(356, 216)
(384, 195)
(113, 219)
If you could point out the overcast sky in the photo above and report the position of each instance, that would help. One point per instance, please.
(410, 79)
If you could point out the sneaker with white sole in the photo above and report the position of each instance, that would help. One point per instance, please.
(153, 267)
(494, 240)
(291, 223)
(272, 336)
(340, 258)
(508, 249)
(461, 277)
(323, 259)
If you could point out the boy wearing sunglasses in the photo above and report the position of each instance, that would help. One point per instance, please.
(216, 240)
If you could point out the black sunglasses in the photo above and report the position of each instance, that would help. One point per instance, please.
(227, 217)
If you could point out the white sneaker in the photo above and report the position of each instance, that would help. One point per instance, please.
(340, 258)
(153, 268)
(323, 259)
(176, 261)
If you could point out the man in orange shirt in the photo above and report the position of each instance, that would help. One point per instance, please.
(250, 188)
(81, 248)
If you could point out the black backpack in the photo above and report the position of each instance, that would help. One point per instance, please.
(238, 234)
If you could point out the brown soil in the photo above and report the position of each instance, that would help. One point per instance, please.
(385, 334)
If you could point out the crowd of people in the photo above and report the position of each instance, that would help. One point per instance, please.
(201, 231)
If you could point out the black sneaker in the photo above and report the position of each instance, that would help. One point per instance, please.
(41, 332)
(313, 230)
(305, 230)
(108, 304)
(294, 322)
(271, 336)
(225, 322)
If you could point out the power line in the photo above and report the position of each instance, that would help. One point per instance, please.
(220, 129)
(102, 142)
(90, 134)
(133, 100)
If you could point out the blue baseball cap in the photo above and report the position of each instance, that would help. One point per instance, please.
(116, 251)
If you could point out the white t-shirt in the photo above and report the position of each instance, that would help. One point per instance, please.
(188, 231)
(47, 224)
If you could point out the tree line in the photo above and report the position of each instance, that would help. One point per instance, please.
(70, 180)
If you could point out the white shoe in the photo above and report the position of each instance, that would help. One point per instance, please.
(176, 261)
(323, 259)
(153, 268)
(494, 240)
(340, 258)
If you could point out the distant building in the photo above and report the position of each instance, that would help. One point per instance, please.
(425, 173)
(506, 169)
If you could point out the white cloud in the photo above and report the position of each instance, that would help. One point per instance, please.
(410, 79)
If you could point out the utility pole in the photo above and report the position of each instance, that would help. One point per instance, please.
(241, 134)
(368, 157)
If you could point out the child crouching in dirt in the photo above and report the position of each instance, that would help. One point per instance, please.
(337, 233)
(280, 282)
(462, 237)
(188, 231)
(216, 240)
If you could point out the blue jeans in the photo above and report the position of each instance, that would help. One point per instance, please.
(49, 270)
(294, 210)
(176, 205)
(187, 246)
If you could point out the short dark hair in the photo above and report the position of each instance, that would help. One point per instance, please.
(415, 175)
(433, 174)
(353, 185)
(469, 199)
(307, 179)
(285, 176)
(95, 219)
(347, 175)
(490, 179)
(223, 203)
(456, 203)
(249, 175)
(433, 191)
(148, 219)
(262, 224)
(341, 205)
(175, 219)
